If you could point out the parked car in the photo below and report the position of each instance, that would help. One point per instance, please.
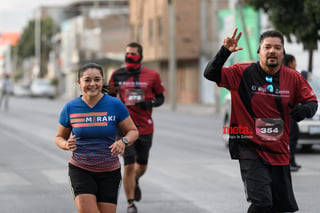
(309, 129)
(41, 87)
(21, 90)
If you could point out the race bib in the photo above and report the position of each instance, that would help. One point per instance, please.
(132, 96)
(269, 129)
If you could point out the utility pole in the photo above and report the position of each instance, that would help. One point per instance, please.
(37, 42)
(8, 59)
(98, 29)
(209, 92)
(215, 46)
(244, 26)
(172, 56)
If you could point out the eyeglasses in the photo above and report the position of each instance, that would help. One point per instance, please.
(269, 88)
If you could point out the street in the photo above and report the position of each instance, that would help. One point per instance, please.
(190, 169)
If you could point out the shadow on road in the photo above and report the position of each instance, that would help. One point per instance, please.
(309, 151)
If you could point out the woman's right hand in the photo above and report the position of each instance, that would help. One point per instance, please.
(71, 143)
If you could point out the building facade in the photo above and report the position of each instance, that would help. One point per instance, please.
(95, 31)
(194, 39)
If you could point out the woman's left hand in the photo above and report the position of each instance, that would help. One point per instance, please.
(117, 148)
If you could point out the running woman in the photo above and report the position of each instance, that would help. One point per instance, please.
(88, 127)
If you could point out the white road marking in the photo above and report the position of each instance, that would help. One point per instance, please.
(56, 176)
(12, 179)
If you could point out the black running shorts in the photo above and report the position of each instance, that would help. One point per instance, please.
(268, 186)
(138, 151)
(104, 185)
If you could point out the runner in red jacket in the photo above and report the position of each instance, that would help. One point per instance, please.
(265, 95)
(140, 89)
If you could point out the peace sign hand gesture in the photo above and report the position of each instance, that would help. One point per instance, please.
(232, 43)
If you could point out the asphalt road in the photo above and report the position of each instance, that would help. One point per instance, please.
(189, 170)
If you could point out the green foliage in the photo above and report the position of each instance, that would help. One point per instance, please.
(26, 45)
(55, 81)
(17, 76)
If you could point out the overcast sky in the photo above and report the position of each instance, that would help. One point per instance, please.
(15, 14)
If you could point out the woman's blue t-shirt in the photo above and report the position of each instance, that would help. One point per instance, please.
(95, 130)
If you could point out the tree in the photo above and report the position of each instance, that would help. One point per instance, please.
(26, 45)
(298, 18)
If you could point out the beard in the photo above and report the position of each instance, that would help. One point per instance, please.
(272, 64)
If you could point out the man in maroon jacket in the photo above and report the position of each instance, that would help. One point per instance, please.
(140, 89)
(264, 95)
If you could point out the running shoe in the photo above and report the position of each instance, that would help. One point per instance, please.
(132, 208)
(294, 168)
(137, 192)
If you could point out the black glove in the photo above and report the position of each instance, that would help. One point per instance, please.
(298, 113)
(145, 104)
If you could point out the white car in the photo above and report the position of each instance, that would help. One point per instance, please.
(21, 90)
(41, 87)
(309, 129)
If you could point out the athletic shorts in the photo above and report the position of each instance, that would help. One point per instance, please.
(138, 151)
(268, 186)
(104, 185)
